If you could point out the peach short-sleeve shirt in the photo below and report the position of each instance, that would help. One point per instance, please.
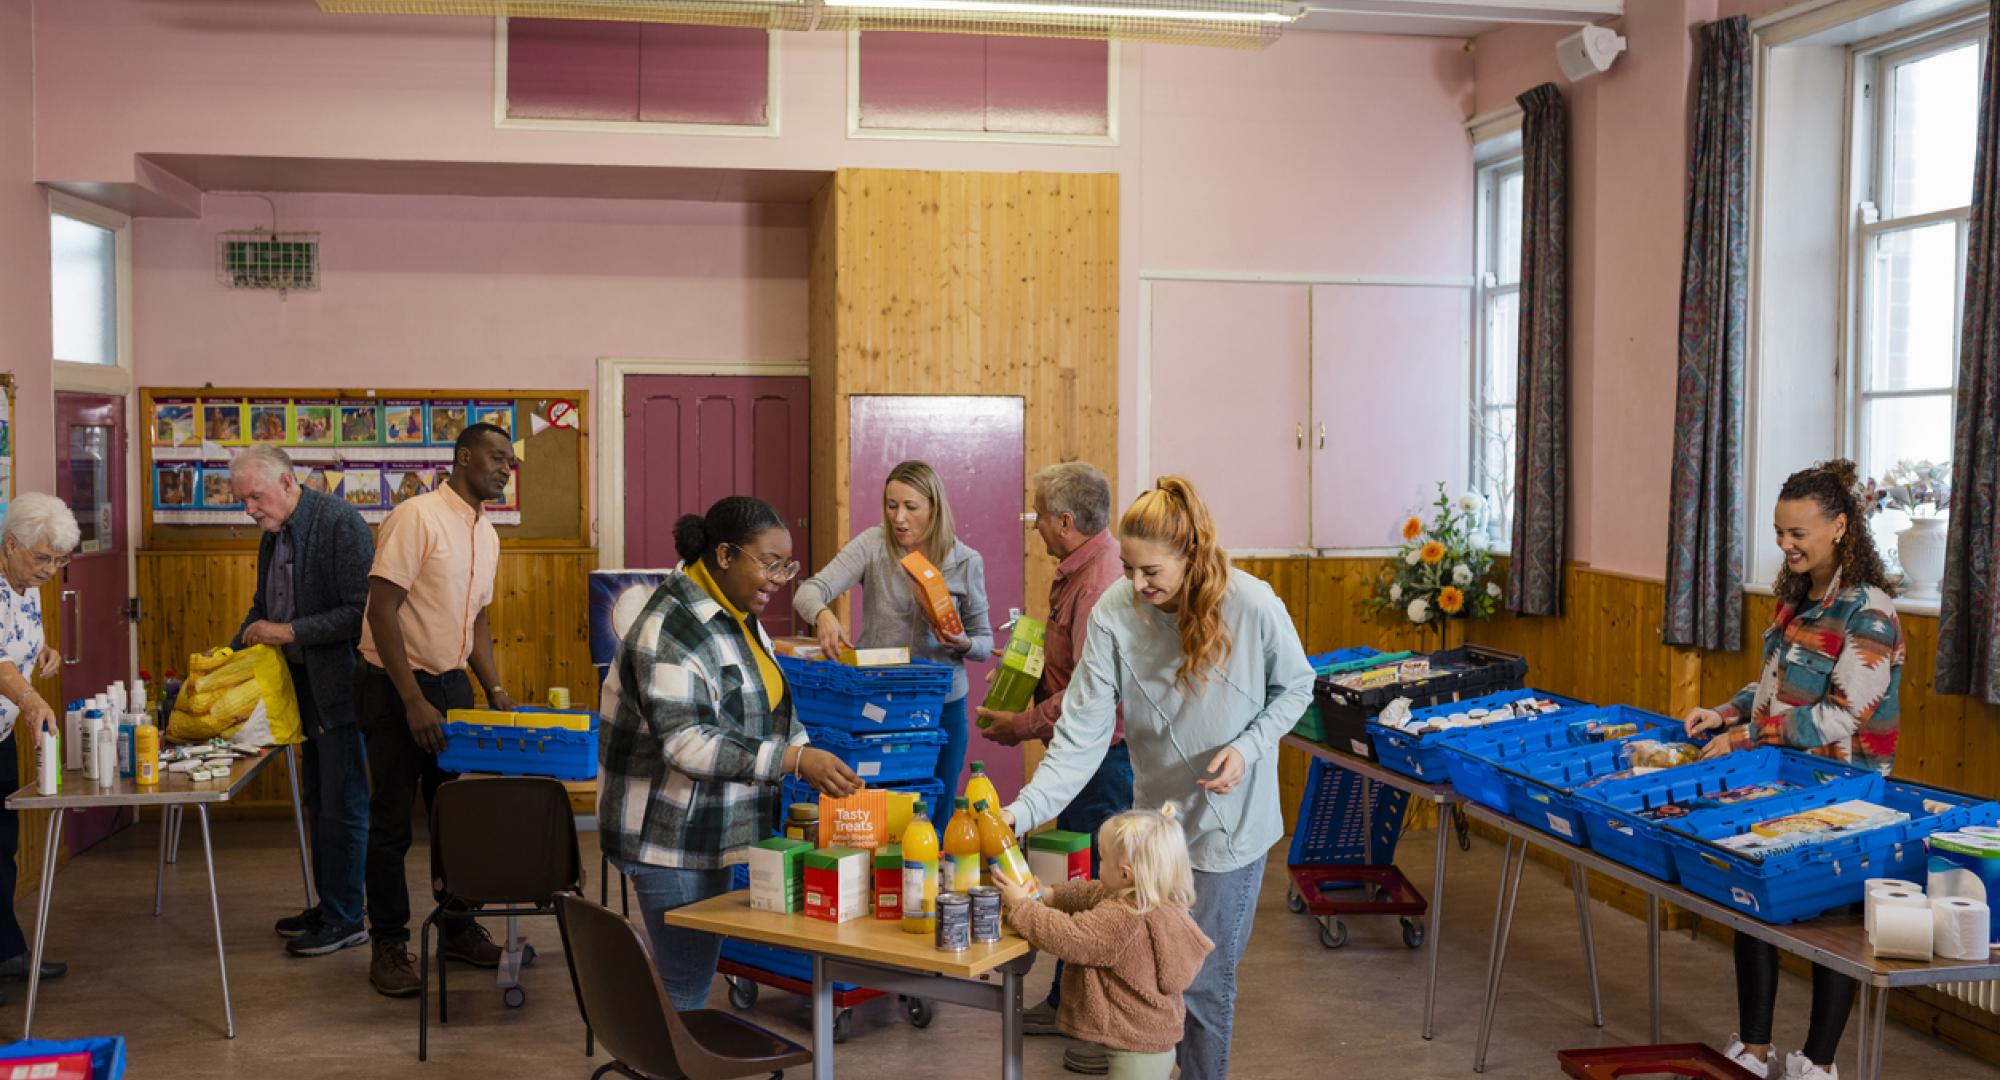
(444, 553)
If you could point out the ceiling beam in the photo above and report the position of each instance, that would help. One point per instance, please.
(1559, 12)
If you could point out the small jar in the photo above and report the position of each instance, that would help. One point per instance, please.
(802, 822)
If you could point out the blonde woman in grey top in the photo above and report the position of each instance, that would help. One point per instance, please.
(915, 517)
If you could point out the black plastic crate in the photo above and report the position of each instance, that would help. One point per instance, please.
(1344, 713)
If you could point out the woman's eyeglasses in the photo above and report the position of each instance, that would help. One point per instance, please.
(775, 570)
(47, 562)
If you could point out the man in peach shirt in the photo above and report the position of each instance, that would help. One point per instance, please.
(435, 561)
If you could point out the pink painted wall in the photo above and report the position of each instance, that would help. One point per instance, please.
(433, 291)
(24, 257)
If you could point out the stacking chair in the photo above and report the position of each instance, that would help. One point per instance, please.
(619, 993)
(505, 845)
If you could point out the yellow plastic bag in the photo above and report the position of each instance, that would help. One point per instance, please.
(230, 687)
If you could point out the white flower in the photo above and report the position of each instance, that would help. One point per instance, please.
(1461, 575)
(1493, 589)
(1419, 610)
(1396, 592)
(1412, 557)
(1471, 503)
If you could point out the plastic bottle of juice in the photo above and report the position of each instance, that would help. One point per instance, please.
(961, 866)
(920, 873)
(978, 787)
(1002, 851)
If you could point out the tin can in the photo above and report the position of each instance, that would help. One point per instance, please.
(985, 914)
(954, 922)
(558, 697)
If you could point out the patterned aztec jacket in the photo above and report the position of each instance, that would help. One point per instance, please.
(1832, 680)
(691, 746)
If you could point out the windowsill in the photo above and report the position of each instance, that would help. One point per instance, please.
(1903, 606)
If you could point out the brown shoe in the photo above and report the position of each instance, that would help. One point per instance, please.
(393, 973)
(474, 946)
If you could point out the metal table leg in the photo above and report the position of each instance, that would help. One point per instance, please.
(174, 815)
(1862, 1029)
(1877, 1035)
(299, 819)
(160, 872)
(1653, 960)
(215, 905)
(1434, 928)
(1580, 879)
(1503, 926)
(822, 1020)
(1010, 1024)
(42, 918)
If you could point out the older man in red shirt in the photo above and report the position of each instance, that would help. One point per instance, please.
(1072, 512)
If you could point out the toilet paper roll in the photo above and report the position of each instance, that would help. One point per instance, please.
(1878, 899)
(1874, 883)
(1961, 929)
(1903, 933)
(1991, 832)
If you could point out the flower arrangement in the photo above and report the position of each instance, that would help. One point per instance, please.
(1917, 488)
(1441, 570)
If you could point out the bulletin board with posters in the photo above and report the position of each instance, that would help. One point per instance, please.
(374, 448)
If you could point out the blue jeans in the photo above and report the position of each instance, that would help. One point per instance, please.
(686, 958)
(1107, 794)
(1224, 905)
(333, 785)
(952, 758)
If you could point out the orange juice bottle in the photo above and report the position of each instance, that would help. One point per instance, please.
(920, 873)
(959, 870)
(978, 787)
(1002, 851)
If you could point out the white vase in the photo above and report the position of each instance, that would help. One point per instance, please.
(1921, 547)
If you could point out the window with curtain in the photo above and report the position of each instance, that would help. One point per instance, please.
(1497, 274)
(83, 288)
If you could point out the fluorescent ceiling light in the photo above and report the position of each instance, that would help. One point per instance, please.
(1080, 11)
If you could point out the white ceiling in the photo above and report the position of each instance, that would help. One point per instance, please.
(1448, 18)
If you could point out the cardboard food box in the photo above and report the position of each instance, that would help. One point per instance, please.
(1057, 856)
(1020, 670)
(777, 875)
(837, 884)
(875, 657)
(933, 595)
(860, 820)
(53, 1066)
(889, 882)
(799, 648)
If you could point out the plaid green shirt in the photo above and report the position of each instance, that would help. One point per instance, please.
(690, 746)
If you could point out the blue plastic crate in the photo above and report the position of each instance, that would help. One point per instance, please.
(904, 697)
(1477, 754)
(520, 751)
(1803, 882)
(1423, 756)
(1329, 830)
(884, 757)
(1539, 785)
(1615, 828)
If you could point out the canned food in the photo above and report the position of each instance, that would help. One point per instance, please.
(954, 922)
(985, 914)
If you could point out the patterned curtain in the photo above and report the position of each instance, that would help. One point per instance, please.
(1705, 532)
(1541, 431)
(1968, 657)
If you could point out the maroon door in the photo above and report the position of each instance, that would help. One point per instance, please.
(96, 633)
(977, 446)
(693, 439)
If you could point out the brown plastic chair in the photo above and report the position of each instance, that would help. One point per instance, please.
(619, 993)
(503, 844)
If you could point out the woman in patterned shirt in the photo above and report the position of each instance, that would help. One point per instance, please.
(1833, 668)
(39, 533)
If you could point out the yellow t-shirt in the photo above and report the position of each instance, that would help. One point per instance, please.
(774, 680)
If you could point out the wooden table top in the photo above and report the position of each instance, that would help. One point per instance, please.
(867, 939)
(80, 791)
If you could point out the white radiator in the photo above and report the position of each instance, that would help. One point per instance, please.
(1979, 995)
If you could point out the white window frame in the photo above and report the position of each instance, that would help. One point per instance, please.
(1486, 289)
(116, 378)
(856, 131)
(1869, 121)
(766, 130)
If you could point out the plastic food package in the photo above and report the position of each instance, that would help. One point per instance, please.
(226, 691)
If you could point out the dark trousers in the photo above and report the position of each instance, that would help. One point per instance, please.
(12, 942)
(1107, 794)
(1757, 1000)
(400, 770)
(333, 785)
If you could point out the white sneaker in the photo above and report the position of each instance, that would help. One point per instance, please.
(1801, 1067)
(1737, 1053)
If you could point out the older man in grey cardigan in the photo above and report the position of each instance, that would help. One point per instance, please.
(312, 590)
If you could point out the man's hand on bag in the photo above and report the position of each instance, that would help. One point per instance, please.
(266, 632)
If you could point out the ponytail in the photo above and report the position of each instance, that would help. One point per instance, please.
(1173, 516)
(1835, 487)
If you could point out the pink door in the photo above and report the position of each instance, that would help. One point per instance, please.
(97, 586)
(977, 447)
(693, 439)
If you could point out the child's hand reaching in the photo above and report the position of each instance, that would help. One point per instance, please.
(1012, 890)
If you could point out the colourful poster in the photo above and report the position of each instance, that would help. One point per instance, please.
(403, 423)
(222, 421)
(215, 492)
(174, 484)
(361, 486)
(271, 420)
(406, 480)
(360, 423)
(448, 421)
(313, 422)
(498, 413)
(174, 422)
(510, 496)
(318, 478)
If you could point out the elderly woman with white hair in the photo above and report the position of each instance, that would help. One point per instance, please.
(39, 534)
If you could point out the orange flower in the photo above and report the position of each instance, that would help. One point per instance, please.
(1432, 553)
(1413, 528)
(1450, 600)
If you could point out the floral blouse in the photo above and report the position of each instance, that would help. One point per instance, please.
(20, 642)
